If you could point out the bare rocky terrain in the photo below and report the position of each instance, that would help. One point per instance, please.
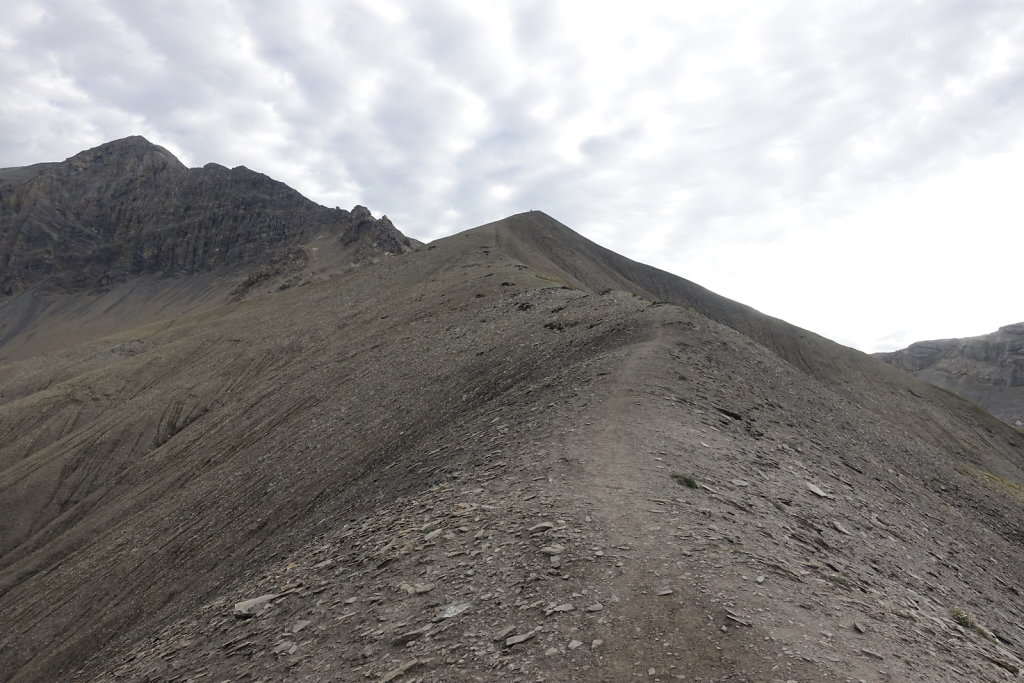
(987, 370)
(509, 454)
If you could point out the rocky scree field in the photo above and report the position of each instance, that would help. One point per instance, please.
(506, 455)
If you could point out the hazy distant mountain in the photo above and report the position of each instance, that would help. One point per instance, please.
(987, 370)
(129, 207)
(508, 455)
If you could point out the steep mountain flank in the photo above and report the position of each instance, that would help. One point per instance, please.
(510, 455)
(987, 370)
(554, 249)
(129, 207)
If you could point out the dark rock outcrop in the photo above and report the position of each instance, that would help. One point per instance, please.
(129, 207)
(987, 370)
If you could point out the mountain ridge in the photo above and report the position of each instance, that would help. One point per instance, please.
(129, 207)
(842, 368)
(124, 234)
(511, 454)
(986, 369)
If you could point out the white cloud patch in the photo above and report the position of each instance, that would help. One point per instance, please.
(847, 166)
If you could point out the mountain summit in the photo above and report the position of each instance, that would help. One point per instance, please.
(510, 454)
(126, 158)
(129, 207)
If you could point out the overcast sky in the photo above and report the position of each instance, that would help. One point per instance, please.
(855, 168)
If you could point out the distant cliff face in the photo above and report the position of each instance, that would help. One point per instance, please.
(987, 370)
(129, 207)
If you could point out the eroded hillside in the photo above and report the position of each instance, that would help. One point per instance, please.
(507, 455)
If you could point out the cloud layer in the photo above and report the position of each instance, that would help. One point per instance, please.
(846, 166)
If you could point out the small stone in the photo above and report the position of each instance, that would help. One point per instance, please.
(760, 579)
(573, 644)
(283, 647)
(550, 651)
(740, 482)
(817, 491)
(665, 591)
(249, 608)
(651, 671)
(323, 565)
(398, 671)
(871, 653)
(299, 625)
(556, 561)
(423, 587)
(430, 526)
(504, 633)
(840, 528)
(542, 527)
(735, 618)
(406, 588)
(553, 549)
(564, 607)
(596, 643)
(410, 636)
(859, 627)
(455, 609)
(596, 607)
(522, 638)
(432, 535)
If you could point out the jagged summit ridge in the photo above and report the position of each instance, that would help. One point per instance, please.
(130, 207)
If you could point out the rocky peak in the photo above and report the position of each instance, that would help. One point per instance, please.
(373, 232)
(360, 212)
(129, 207)
(134, 155)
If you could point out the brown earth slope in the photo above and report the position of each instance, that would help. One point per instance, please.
(987, 370)
(510, 455)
